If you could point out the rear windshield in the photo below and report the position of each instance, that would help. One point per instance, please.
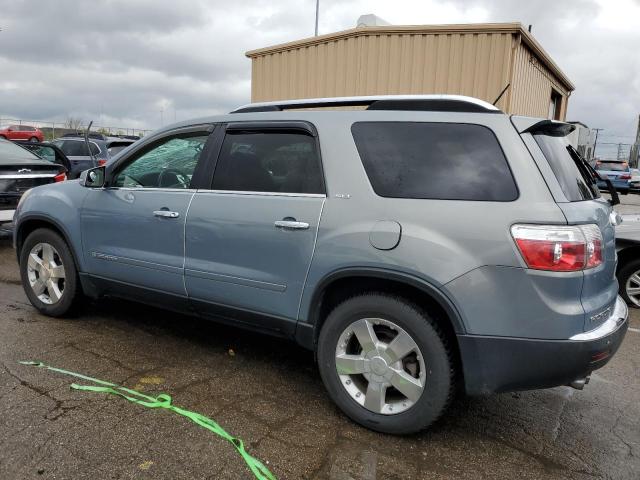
(613, 166)
(446, 161)
(573, 178)
(10, 153)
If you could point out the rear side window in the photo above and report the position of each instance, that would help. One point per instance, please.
(445, 161)
(74, 148)
(574, 180)
(286, 162)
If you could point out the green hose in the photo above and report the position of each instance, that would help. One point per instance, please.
(164, 401)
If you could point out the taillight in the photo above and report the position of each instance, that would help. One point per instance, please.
(625, 176)
(61, 177)
(101, 162)
(559, 248)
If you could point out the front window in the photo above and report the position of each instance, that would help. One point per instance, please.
(169, 164)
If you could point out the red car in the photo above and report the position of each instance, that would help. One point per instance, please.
(21, 132)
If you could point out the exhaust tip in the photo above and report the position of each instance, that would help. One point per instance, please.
(579, 383)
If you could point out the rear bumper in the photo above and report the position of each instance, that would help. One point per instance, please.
(502, 364)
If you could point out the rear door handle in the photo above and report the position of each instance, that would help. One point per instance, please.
(166, 214)
(291, 225)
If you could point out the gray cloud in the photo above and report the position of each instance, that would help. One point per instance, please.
(120, 61)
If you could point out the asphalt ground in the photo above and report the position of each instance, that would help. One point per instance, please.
(268, 393)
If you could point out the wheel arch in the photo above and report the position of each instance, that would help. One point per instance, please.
(629, 251)
(34, 222)
(341, 284)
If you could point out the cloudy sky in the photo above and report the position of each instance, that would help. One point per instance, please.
(120, 62)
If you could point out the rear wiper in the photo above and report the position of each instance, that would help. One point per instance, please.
(581, 163)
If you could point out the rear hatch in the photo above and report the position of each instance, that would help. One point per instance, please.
(574, 188)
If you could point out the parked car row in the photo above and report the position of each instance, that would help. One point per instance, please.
(340, 230)
(103, 148)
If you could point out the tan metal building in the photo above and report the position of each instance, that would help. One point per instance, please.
(478, 60)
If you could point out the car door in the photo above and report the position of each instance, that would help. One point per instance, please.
(250, 236)
(133, 230)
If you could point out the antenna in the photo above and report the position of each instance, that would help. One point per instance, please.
(86, 141)
(501, 93)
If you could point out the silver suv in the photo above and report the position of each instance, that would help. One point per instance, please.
(419, 245)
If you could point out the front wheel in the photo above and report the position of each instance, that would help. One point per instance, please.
(48, 272)
(386, 363)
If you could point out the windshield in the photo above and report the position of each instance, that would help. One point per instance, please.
(613, 166)
(10, 153)
(575, 181)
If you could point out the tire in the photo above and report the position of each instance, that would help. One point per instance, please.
(398, 413)
(33, 140)
(624, 274)
(66, 287)
(3, 137)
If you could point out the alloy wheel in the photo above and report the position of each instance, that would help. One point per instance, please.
(380, 366)
(632, 288)
(46, 274)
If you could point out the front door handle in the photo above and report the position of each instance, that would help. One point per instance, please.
(291, 225)
(166, 214)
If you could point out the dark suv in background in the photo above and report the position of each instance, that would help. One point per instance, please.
(103, 148)
(425, 244)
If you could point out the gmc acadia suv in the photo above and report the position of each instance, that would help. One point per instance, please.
(419, 245)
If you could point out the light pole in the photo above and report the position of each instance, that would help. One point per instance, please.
(317, 13)
(595, 142)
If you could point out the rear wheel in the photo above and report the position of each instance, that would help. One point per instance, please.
(48, 271)
(629, 282)
(33, 139)
(385, 363)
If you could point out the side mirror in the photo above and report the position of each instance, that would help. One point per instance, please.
(93, 178)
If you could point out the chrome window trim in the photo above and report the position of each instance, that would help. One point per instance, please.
(264, 194)
(143, 189)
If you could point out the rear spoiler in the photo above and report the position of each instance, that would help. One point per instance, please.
(532, 125)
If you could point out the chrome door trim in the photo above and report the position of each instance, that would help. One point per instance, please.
(264, 194)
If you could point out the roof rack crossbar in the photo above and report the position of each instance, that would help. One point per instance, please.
(447, 103)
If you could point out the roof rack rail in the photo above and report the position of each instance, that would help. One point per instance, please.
(431, 103)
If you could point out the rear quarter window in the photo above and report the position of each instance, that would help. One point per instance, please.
(444, 161)
(574, 181)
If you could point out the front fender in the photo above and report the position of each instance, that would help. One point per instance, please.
(58, 205)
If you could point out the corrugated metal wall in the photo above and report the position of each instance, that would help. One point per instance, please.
(532, 85)
(478, 64)
(459, 63)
